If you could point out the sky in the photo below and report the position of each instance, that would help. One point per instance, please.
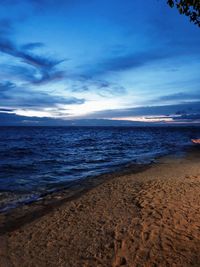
(98, 59)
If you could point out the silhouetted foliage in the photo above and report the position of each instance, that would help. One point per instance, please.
(190, 8)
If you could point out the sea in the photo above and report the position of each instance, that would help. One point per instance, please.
(35, 161)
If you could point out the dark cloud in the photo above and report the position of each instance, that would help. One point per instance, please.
(109, 89)
(7, 119)
(13, 96)
(48, 76)
(46, 66)
(31, 46)
(8, 47)
(101, 87)
(16, 120)
(30, 74)
(124, 62)
(130, 61)
(6, 86)
(6, 110)
(19, 72)
(181, 96)
(35, 69)
(13, 119)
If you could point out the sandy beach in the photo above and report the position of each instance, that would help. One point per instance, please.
(150, 218)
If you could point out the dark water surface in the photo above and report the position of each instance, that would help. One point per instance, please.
(37, 160)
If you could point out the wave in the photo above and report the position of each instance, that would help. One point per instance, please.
(42, 159)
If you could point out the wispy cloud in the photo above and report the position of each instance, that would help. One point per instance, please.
(182, 96)
(130, 61)
(46, 66)
(123, 62)
(13, 96)
(31, 46)
(99, 86)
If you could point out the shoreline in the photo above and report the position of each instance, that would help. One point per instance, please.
(12, 218)
(84, 184)
(88, 181)
(146, 218)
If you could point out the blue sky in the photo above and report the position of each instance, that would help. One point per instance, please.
(92, 59)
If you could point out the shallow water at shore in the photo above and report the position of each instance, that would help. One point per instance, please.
(38, 160)
(150, 218)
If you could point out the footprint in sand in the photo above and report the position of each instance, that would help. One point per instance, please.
(192, 176)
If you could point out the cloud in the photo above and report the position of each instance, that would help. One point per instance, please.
(180, 96)
(46, 67)
(188, 113)
(129, 61)
(6, 110)
(16, 120)
(18, 72)
(123, 62)
(13, 119)
(31, 46)
(8, 47)
(189, 117)
(166, 110)
(7, 86)
(105, 86)
(13, 96)
(100, 87)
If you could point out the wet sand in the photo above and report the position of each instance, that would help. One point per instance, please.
(150, 218)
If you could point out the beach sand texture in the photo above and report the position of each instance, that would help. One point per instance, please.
(151, 218)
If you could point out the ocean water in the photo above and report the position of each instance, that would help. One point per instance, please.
(38, 160)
